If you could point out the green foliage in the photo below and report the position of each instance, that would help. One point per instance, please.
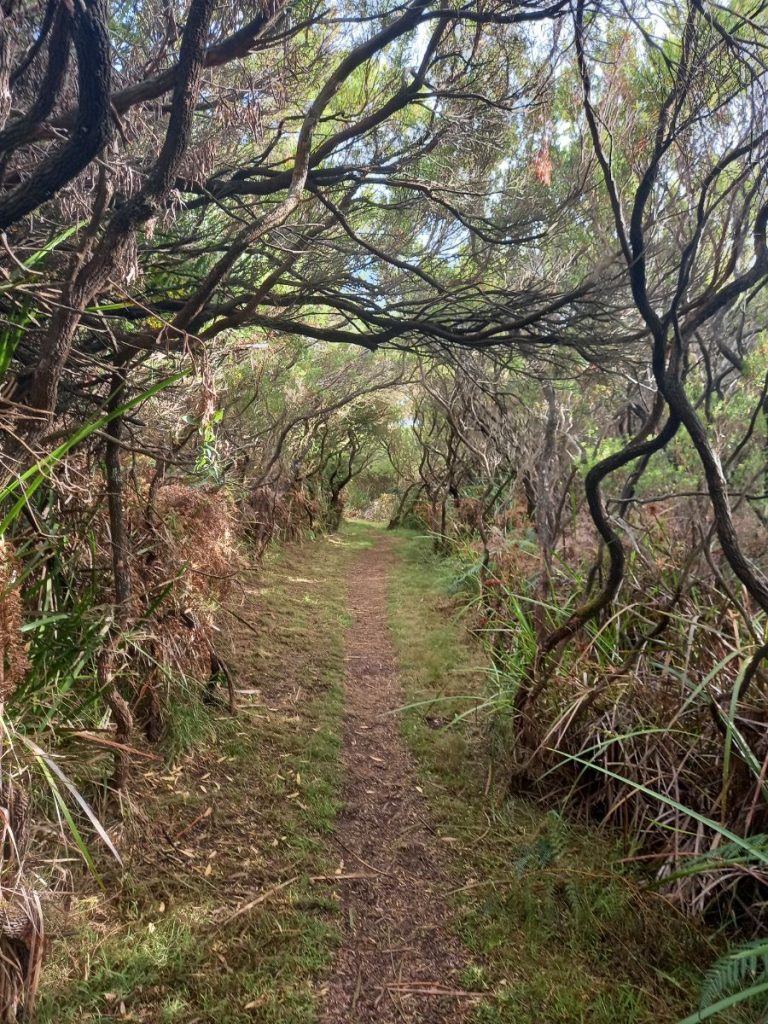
(743, 969)
(547, 848)
(166, 949)
(557, 925)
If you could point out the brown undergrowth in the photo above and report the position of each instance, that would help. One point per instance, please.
(561, 929)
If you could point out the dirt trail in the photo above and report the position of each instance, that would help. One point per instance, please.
(398, 960)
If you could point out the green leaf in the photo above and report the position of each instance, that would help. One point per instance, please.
(726, 1004)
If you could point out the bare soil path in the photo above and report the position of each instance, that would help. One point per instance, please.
(399, 960)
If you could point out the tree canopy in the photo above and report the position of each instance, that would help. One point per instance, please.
(496, 269)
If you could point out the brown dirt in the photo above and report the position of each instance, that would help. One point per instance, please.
(398, 960)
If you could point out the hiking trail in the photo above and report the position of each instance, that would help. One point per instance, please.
(398, 960)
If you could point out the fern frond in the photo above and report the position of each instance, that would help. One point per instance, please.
(557, 834)
(743, 964)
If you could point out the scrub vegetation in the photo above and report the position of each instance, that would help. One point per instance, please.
(488, 277)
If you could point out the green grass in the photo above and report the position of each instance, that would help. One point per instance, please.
(157, 947)
(556, 932)
(560, 933)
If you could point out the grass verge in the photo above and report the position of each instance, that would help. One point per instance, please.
(223, 913)
(563, 934)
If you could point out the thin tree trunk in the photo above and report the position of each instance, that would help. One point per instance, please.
(121, 579)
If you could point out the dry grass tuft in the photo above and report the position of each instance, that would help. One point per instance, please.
(13, 652)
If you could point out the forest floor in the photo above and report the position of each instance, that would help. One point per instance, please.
(335, 853)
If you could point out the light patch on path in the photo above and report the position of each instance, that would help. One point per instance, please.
(399, 961)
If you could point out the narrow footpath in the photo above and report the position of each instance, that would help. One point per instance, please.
(282, 866)
(398, 959)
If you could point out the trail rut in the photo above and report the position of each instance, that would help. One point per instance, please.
(398, 960)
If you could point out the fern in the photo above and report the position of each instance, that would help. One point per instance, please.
(741, 965)
(547, 848)
(579, 902)
(557, 834)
